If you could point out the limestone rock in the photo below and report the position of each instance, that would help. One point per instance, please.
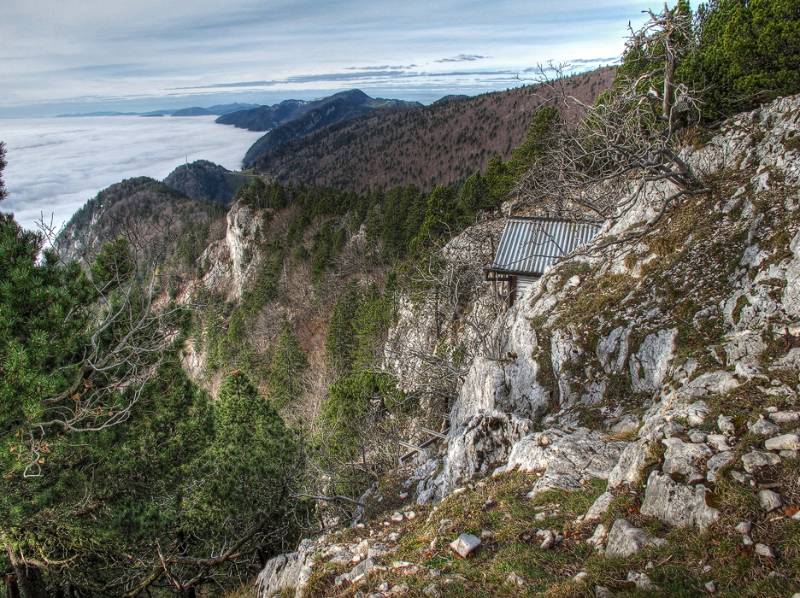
(717, 462)
(649, 365)
(719, 442)
(765, 551)
(754, 461)
(634, 459)
(685, 458)
(769, 500)
(624, 539)
(567, 459)
(476, 449)
(763, 427)
(284, 572)
(725, 425)
(785, 417)
(356, 573)
(599, 507)
(599, 536)
(465, 545)
(642, 581)
(785, 442)
(612, 350)
(677, 504)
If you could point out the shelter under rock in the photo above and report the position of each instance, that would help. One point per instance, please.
(529, 246)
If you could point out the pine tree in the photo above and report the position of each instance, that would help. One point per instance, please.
(287, 367)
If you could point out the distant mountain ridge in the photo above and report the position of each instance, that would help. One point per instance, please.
(313, 116)
(426, 146)
(216, 110)
(265, 118)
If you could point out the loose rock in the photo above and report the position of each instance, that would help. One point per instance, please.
(763, 427)
(785, 417)
(769, 500)
(465, 545)
(757, 460)
(624, 539)
(725, 425)
(784, 442)
(764, 551)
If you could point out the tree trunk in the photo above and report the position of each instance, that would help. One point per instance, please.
(12, 588)
(669, 67)
(31, 582)
(28, 580)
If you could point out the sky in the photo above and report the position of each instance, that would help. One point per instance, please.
(133, 55)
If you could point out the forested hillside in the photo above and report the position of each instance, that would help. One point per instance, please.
(309, 117)
(435, 145)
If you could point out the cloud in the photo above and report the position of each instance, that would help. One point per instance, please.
(56, 165)
(366, 77)
(385, 67)
(463, 58)
(148, 48)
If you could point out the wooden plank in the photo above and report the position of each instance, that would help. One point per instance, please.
(432, 433)
(413, 447)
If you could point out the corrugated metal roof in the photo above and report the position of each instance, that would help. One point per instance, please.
(531, 245)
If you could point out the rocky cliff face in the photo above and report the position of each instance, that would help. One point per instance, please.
(664, 367)
(230, 262)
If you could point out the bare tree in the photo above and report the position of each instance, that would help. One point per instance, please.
(2, 167)
(626, 143)
(129, 329)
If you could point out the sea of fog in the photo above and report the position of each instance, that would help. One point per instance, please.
(56, 164)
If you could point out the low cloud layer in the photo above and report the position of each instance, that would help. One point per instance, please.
(56, 165)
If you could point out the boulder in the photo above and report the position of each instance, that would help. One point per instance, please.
(565, 460)
(685, 458)
(784, 442)
(624, 539)
(677, 504)
(754, 461)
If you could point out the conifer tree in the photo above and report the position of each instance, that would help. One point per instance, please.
(287, 368)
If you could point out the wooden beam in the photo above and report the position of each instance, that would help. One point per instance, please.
(432, 433)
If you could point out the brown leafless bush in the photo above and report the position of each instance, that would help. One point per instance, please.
(625, 147)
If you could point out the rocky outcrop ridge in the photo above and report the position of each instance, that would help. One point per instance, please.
(666, 366)
(229, 263)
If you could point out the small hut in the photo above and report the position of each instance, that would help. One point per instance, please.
(529, 246)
